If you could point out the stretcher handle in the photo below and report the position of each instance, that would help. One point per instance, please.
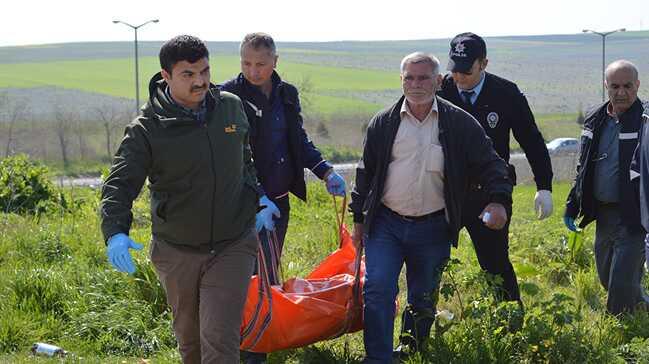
(264, 289)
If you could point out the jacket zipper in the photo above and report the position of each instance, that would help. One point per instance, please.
(209, 142)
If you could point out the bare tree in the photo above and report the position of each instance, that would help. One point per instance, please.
(112, 115)
(11, 111)
(79, 131)
(64, 122)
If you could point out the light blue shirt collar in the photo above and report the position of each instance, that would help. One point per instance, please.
(476, 90)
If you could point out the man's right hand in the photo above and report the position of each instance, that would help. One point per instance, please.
(570, 223)
(357, 235)
(264, 218)
(118, 252)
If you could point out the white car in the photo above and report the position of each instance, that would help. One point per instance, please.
(563, 145)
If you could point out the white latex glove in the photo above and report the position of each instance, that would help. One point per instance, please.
(543, 204)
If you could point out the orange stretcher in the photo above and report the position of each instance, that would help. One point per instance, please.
(302, 311)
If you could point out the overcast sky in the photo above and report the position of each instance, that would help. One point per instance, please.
(24, 22)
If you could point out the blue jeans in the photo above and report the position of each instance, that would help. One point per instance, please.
(424, 246)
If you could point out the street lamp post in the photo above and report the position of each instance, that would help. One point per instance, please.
(603, 35)
(137, 78)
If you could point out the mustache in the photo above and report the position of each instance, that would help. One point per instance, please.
(198, 88)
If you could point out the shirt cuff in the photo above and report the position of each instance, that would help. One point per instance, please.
(544, 185)
(321, 168)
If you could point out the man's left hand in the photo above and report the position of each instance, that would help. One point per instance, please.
(543, 204)
(494, 216)
(335, 184)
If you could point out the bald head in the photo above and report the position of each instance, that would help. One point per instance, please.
(622, 83)
(621, 65)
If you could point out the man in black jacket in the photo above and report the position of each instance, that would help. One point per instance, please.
(604, 190)
(280, 146)
(419, 157)
(501, 108)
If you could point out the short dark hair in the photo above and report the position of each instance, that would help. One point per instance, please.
(258, 40)
(182, 48)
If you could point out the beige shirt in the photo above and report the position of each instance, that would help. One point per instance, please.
(415, 181)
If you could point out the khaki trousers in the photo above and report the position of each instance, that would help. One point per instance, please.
(207, 293)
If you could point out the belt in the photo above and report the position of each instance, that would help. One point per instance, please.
(437, 213)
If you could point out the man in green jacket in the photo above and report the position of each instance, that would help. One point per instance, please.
(191, 143)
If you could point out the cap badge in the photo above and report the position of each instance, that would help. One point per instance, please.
(459, 50)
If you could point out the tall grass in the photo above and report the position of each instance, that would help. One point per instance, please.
(56, 286)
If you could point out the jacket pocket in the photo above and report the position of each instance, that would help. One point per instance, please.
(435, 159)
(162, 194)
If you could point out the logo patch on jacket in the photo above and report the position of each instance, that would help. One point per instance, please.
(231, 129)
(492, 119)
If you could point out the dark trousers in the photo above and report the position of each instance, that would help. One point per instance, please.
(619, 257)
(491, 246)
(207, 293)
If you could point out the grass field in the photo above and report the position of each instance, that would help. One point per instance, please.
(558, 73)
(57, 287)
(115, 77)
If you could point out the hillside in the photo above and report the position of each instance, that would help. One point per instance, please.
(557, 72)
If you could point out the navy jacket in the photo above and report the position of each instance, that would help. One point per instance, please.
(581, 200)
(469, 158)
(499, 108)
(303, 153)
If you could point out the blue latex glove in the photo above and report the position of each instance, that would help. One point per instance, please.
(118, 252)
(264, 218)
(570, 223)
(335, 184)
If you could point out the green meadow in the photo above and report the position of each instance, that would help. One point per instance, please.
(57, 287)
(115, 77)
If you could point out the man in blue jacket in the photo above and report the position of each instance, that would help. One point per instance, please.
(280, 146)
(604, 190)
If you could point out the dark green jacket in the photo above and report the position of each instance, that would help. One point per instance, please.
(201, 176)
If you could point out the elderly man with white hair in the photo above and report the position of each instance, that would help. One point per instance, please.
(604, 190)
(420, 156)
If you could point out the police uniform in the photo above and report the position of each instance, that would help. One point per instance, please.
(500, 107)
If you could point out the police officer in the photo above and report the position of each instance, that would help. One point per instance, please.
(499, 106)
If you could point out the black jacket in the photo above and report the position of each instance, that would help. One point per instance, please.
(501, 107)
(581, 200)
(468, 158)
(303, 153)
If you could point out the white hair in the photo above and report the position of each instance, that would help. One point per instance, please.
(421, 57)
